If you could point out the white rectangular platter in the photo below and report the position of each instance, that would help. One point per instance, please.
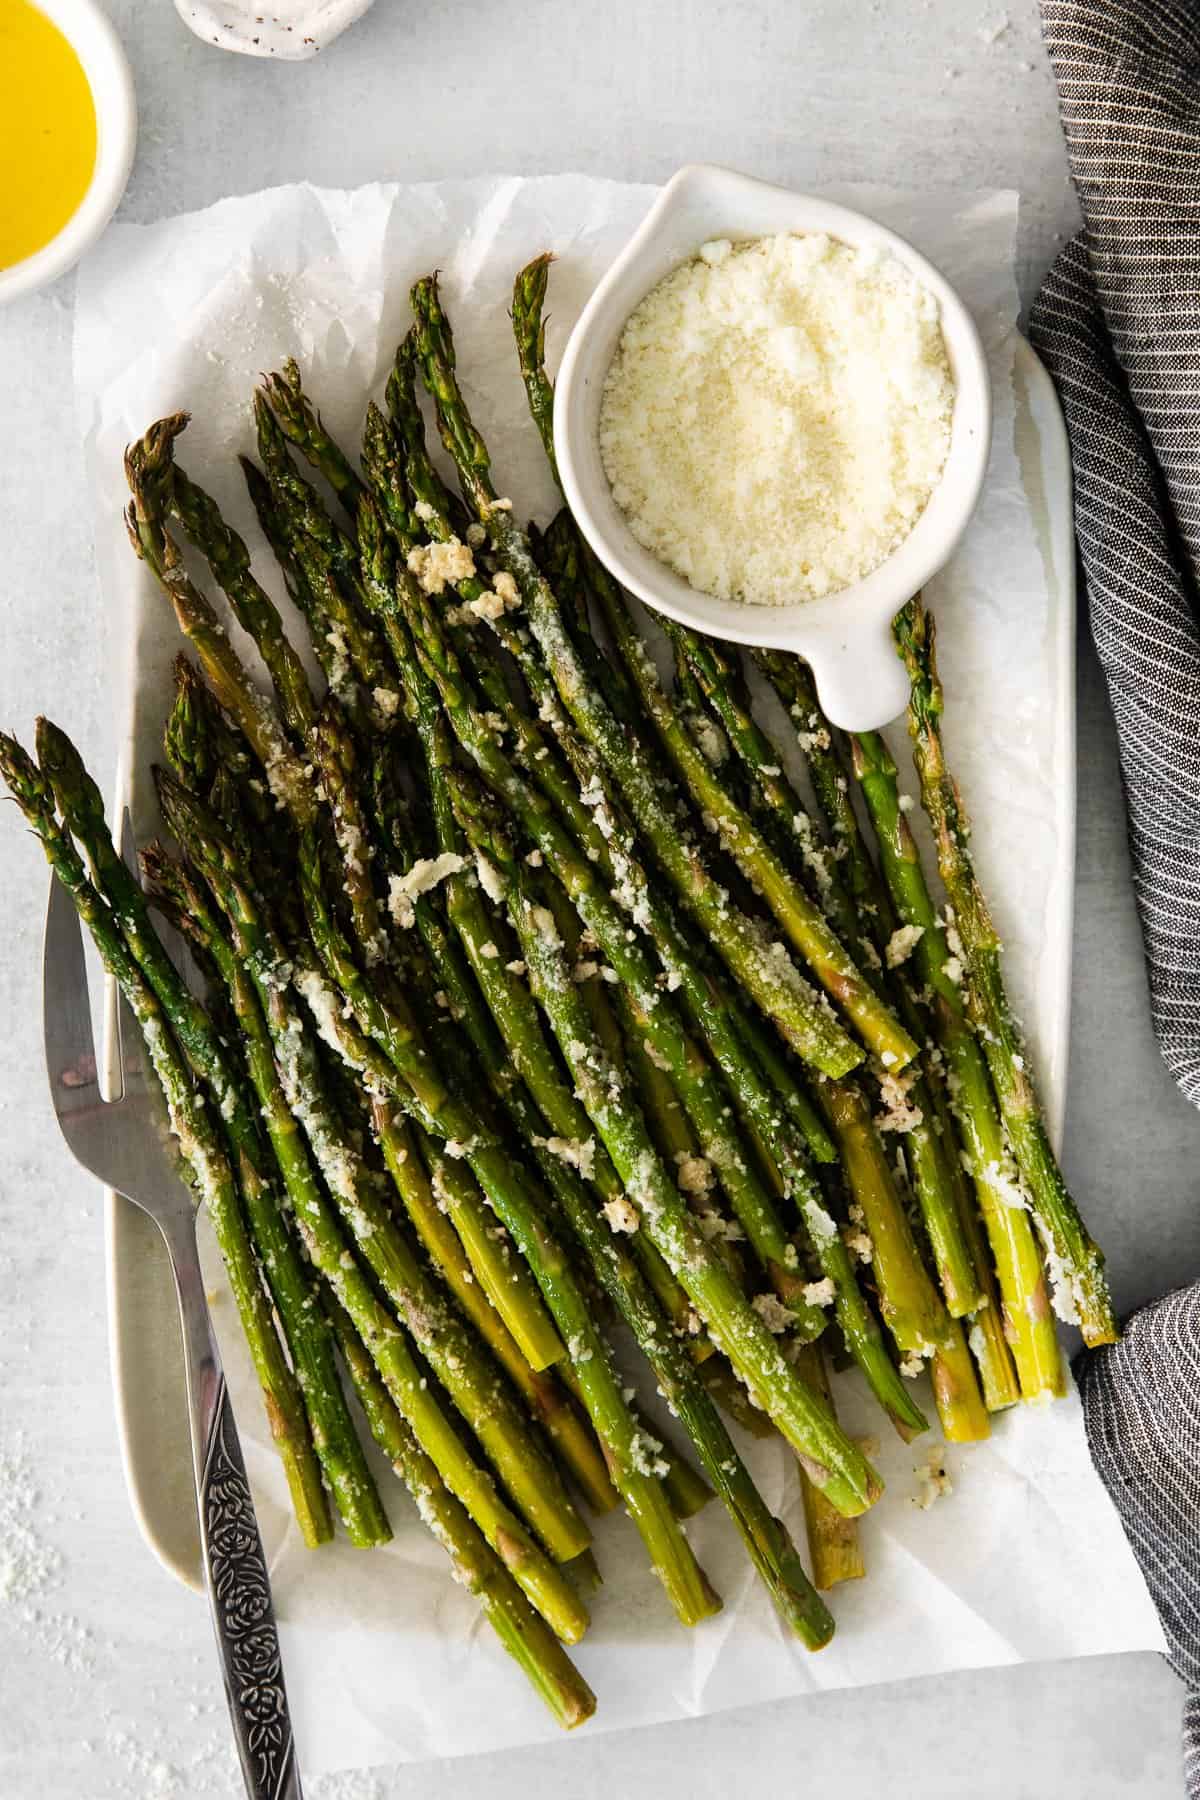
(386, 1661)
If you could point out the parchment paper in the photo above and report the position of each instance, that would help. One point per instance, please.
(386, 1658)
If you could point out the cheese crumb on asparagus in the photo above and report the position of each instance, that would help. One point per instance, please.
(438, 566)
(902, 943)
(425, 874)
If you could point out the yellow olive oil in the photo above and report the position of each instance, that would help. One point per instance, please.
(47, 131)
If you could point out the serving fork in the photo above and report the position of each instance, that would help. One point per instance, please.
(123, 1142)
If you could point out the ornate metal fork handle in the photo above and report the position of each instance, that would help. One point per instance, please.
(120, 1142)
(239, 1589)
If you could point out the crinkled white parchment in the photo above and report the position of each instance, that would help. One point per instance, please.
(386, 1658)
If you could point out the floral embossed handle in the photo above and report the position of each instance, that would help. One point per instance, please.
(239, 1589)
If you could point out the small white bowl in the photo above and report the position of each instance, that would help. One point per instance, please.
(845, 637)
(290, 31)
(88, 31)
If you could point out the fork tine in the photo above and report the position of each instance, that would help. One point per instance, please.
(66, 1015)
(123, 1141)
(131, 1041)
(128, 841)
(129, 1046)
(121, 1030)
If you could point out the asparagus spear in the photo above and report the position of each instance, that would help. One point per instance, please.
(381, 590)
(201, 744)
(254, 610)
(832, 1540)
(860, 879)
(519, 1628)
(196, 917)
(659, 1206)
(302, 507)
(310, 585)
(737, 1032)
(764, 1536)
(150, 472)
(516, 1624)
(609, 924)
(800, 918)
(461, 1365)
(771, 978)
(149, 469)
(1079, 1283)
(490, 1286)
(911, 1305)
(432, 1196)
(563, 540)
(928, 1165)
(302, 425)
(701, 1094)
(304, 1330)
(1027, 1316)
(203, 1153)
(509, 1191)
(322, 558)
(421, 1085)
(529, 330)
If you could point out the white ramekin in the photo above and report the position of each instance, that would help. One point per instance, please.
(87, 29)
(846, 637)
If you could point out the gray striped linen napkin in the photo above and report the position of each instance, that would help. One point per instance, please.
(1118, 324)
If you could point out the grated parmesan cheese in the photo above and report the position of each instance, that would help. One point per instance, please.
(773, 1313)
(902, 943)
(776, 416)
(933, 1479)
(425, 874)
(488, 606)
(437, 566)
(491, 880)
(898, 1113)
(695, 1173)
(620, 1214)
